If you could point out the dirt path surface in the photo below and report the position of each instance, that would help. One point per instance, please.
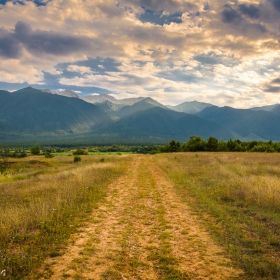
(143, 231)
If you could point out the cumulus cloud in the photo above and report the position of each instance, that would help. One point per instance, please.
(39, 41)
(172, 50)
(9, 45)
(276, 4)
(251, 11)
(272, 86)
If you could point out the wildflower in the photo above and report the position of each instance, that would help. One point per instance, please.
(3, 272)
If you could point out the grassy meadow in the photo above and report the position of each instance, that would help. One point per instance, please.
(43, 201)
(237, 196)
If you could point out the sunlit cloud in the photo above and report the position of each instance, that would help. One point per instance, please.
(222, 52)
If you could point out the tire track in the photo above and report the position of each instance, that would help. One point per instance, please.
(142, 231)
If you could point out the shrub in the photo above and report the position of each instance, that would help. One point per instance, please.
(35, 150)
(49, 155)
(77, 158)
(4, 164)
(80, 152)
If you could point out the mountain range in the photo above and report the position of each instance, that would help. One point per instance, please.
(29, 113)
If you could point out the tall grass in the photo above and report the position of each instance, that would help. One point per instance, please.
(39, 213)
(238, 197)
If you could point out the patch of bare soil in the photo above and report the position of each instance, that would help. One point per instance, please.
(142, 231)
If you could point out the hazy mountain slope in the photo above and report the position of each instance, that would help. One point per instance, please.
(192, 107)
(244, 122)
(140, 106)
(100, 98)
(109, 107)
(130, 101)
(33, 111)
(163, 123)
(66, 92)
(265, 108)
(276, 110)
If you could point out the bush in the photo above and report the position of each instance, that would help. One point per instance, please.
(77, 158)
(80, 152)
(35, 150)
(4, 164)
(49, 155)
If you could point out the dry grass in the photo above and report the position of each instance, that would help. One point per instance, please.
(43, 201)
(238, 196)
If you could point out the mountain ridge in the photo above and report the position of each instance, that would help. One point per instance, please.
(244, 122)
(35, 112)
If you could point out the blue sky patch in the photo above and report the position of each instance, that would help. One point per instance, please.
(160, 18)
(37, 2)
(178, 76)
(213, 59)
(98, 65)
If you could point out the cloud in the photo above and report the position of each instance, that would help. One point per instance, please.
(276, 81)
(272, 89)
(22, 2)
(49, 42)
(229, 15)
(160, 18)
(174, 50)
(251, 11)
(272, 86)
(276, 4)
(9, 45)
(38, 41)
(79, 69)
(169, 6)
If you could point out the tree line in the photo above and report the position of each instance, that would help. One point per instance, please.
(194, 144)
(212, 144)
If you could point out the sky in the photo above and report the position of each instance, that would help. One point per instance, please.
(222, 52)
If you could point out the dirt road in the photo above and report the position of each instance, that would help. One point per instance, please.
(142, 231)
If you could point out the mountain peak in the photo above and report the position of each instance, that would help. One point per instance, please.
(191, 107)
(29, 89)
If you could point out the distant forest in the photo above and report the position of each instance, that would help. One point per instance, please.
(194, 144)
(212, 144)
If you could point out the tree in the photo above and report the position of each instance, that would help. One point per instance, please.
(35, 150)
(212, 144)
(195, 144)
(174, 146)
(231, 144)
(251, 145)
(222, 146)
